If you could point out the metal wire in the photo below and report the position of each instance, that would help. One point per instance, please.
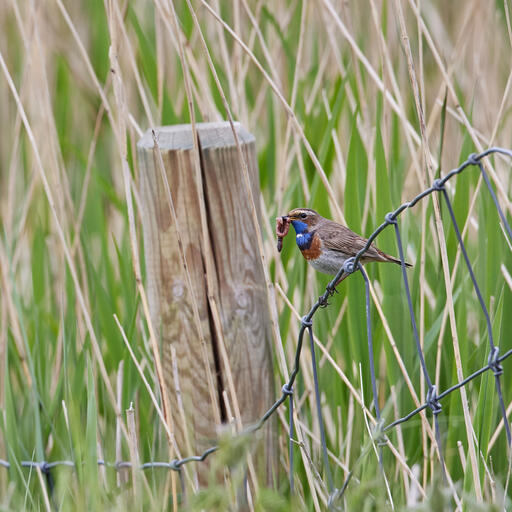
(380, 440)
(432, 400)
(330, 482)
(494, 349)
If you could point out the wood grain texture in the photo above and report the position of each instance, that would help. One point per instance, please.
(239, 292)
(169, 296)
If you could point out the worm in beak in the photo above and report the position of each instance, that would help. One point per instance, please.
(282, 228)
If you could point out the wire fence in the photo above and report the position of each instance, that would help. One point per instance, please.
(432, 400)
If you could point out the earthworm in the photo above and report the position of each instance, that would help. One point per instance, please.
(282, 227)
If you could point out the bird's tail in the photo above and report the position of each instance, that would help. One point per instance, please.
(396, 260)
(391, 259)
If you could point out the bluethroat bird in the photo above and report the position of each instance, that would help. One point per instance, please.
(325, 244)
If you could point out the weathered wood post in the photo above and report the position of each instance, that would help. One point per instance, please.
(206, 291)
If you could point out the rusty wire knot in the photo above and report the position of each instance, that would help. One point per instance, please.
(390, 218)
(175, 465)
(305, 322)
(378, 433)
(287, 390)
(473, 159)
(438, 184)
(349, 266)
(493, 361)
(432, 401)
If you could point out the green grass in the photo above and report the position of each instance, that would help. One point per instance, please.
(56, 402)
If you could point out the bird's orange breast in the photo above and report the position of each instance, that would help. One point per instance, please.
(314, 250)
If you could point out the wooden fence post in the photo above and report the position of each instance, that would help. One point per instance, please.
(214, 323)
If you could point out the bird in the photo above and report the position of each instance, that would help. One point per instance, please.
(325, 244)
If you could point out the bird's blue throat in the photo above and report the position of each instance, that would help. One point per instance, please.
(303, 238)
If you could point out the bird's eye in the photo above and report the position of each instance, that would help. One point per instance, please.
(303, 215)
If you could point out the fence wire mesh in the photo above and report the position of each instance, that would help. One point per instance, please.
(433, 398)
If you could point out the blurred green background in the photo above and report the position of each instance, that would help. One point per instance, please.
(325, 87)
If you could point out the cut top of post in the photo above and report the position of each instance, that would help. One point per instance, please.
(181, 136)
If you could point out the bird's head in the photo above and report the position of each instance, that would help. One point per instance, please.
(303, 219)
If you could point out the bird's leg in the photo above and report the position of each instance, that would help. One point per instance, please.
(343, 276)
(331, 290)
(322, 300)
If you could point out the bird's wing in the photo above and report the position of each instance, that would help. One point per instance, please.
(340, 238)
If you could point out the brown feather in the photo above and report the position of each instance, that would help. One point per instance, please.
(314, 250)
(340, 238)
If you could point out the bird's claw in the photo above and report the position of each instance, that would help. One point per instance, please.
(331, 290)
(322, 300)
